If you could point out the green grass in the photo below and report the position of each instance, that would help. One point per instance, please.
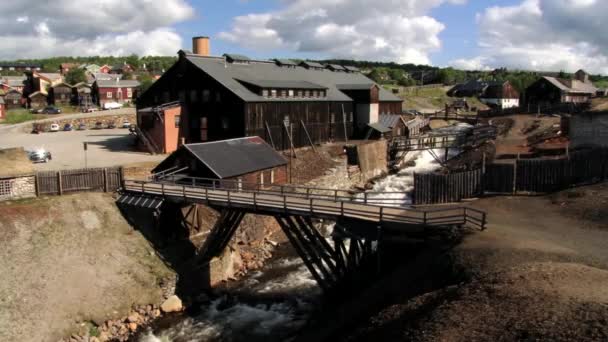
(15, 116)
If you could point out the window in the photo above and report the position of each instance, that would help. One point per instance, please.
(291, 93)
(129, 93)
(332, 118)
(315, 93)
(283, 93)
(5, 187)
(265, 92)
(299, 93)
(225, 123)
(307, 93)
(262, 178)
(177, 121)
(273, 93)
(109, 95)
(271, 176)
(206, 95)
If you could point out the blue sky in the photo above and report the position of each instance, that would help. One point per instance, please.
(468, 34)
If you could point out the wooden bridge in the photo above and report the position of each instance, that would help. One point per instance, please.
(361, 219)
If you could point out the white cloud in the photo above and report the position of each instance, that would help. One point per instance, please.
(397, 30)
(90, 27)
(545, 35)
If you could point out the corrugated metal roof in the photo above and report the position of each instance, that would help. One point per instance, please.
(284, 84)
(287, 62)
(351, 68)
(235, 157)
(361, 86)
(577, 86)
(379, 127)
(229, 74)
(389, 120)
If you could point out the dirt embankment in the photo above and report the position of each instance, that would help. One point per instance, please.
(538, 273)
(71, 259)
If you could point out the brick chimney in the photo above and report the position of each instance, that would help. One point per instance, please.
(201, 46)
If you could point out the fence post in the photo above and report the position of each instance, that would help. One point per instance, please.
(515, 177)
(37, 184)
(59, 183)
(105, 180)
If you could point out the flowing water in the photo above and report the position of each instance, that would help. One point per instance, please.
(274, 304)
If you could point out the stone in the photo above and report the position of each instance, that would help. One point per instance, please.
(134, 318)
(104, 337)
(93, 339)
(132, 326)
(156, 313)
(172, 304)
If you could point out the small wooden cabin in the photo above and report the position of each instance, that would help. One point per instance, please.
(38, 100)
(13, 99)
(61, 94)
(395, 123)
(2, 108)
(242, 163)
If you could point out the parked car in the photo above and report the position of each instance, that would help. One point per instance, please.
(111, 105)
(40, 156)
(111, 125)
(47, 110)
(54, 127)
(89, 109)
(99, 125)
(82, 126)
(126, 124)
(68, 127)
(37, 128)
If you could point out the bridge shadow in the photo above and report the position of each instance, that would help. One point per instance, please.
(170, 238)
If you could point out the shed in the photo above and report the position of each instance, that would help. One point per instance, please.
(17, 177)
(38, 100)
(241, 163)
(377, 131)
(396, 124)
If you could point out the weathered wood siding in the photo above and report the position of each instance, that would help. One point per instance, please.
(84, 180)
(431, 188)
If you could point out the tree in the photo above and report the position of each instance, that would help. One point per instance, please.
(145, 82)
(75, 76)
(126, 75)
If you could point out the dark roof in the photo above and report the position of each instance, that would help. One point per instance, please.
(287, 62)
(351, 68)
(336, 67)
(379, 127)
(360, 86)
(389, 120)
(500, 90)
(264, 71)
(235, 157)
(309, 64)
(284, 84)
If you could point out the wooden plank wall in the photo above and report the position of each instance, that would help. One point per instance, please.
(536, 176)
(436, 189)
(82, 180)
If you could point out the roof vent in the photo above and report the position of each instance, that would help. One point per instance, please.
(237, 59)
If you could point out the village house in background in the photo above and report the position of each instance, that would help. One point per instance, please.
(285, 104)
(37, 100)
(17, 177)
(13, 82)
(13, 99)
(61, 94)
(119, 91)
(2, 107)
(64, 68)
(500, 95)
(43, 82)
(243, 163)
(552, 90)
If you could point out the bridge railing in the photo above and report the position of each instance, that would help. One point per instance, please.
(329, 206)
(370, 197)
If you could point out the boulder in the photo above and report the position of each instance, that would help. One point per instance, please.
(172, 304)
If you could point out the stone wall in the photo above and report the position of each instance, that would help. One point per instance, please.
(17, 188)
(92, 120)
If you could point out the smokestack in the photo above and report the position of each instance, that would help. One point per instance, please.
(201, 46)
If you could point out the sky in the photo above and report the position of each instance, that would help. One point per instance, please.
(544, 35)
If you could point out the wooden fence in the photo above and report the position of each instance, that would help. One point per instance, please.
(83, 180)
(570, 108)
(526, 176)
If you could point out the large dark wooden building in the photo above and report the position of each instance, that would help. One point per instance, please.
(233, 96)
(551, 90)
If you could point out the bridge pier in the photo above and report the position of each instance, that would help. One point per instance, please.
(220, 235)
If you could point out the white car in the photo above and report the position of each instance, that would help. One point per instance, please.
(111, 105)
(126, 124)
(54, 127)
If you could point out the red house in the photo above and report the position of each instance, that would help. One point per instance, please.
(105, 69)
(121, 91)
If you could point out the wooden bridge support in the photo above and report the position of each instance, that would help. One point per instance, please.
(220, 235)
(333, 267)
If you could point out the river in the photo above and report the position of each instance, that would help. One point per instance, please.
(272, 304)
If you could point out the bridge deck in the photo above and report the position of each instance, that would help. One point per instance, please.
(273, 203)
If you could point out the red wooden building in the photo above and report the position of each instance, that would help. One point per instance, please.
(120, 91)
(2, 108)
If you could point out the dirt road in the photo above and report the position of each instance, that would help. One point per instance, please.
(538, 273)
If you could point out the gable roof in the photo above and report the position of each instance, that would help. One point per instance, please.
(390, 120)
(310, 64)
(52, 77)
(287, 62)
(106, 77)
(236, 157)
(571, 86)
(379, 127)
(351, 68)
(229, 74)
